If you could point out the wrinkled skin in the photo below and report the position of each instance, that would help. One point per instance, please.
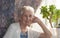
(27, 18)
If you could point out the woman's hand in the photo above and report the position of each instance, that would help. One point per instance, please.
(35, 19)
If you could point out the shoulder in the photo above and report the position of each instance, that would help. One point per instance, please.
(14, 26)
(34, 33)
(38, 34)
(11, 30)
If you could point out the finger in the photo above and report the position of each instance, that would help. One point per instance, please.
(34, 19)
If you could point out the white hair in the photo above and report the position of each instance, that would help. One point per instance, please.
(29, 8)
(20, 10)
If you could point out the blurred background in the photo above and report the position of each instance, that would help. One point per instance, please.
(8, 14)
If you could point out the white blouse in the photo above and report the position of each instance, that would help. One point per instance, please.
(14, 32)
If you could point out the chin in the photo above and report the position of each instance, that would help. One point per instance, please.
(28, 24)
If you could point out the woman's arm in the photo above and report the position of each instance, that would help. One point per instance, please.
(47, 32)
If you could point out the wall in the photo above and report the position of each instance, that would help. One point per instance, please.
(6, 15)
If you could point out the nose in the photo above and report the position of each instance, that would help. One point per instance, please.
(27, 18)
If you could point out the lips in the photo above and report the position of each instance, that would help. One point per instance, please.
(27, 22)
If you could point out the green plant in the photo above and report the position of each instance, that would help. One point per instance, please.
(56, 16)
(51, 13)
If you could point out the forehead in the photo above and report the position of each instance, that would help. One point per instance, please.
(28, 12)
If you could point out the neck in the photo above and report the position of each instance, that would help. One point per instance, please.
(23, 28)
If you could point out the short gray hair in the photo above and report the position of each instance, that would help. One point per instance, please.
(22, 9)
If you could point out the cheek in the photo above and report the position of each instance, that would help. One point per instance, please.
(31, 19)
(24, 18)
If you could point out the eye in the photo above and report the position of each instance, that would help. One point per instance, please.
(25, 15)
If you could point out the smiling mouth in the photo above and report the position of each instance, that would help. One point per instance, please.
(26, 22)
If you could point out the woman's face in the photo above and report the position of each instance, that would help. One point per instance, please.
(27, 17)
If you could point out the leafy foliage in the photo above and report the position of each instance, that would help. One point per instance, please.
(45, 12)
(51, 13)
(56, 15)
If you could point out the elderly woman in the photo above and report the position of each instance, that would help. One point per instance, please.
(22, 28)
